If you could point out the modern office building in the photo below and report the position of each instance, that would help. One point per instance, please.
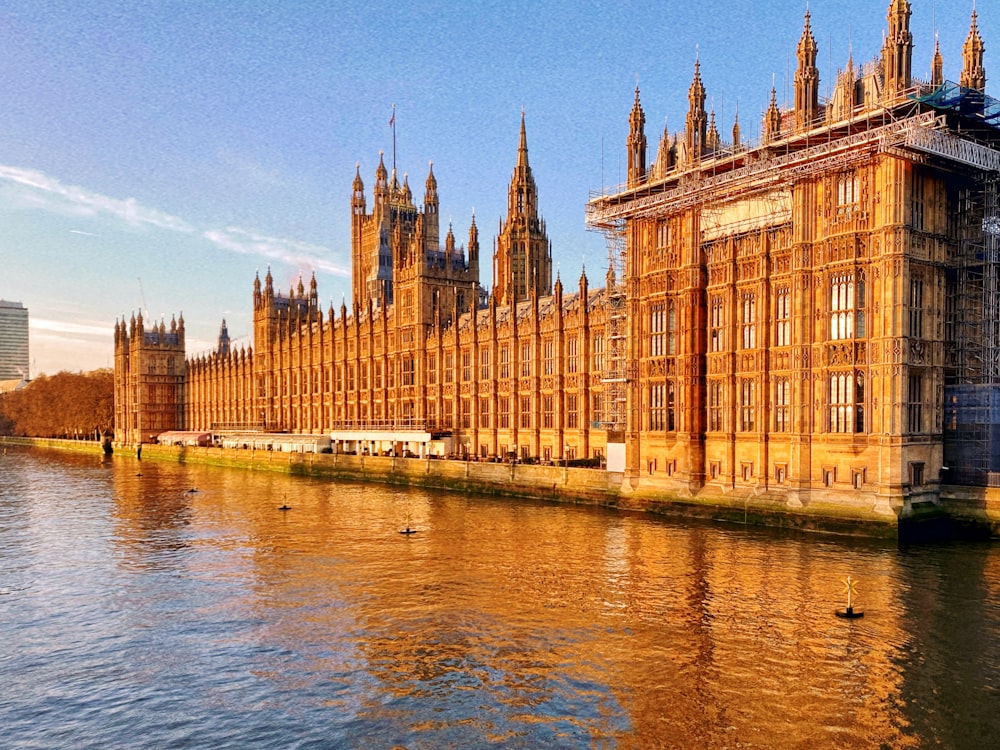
(13, 341)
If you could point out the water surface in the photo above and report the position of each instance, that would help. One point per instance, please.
(136, 612)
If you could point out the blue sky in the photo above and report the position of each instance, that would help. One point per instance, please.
(189, 144)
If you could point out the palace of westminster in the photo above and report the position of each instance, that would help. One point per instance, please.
(816, 315)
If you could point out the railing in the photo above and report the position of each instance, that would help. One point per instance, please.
(393, 425)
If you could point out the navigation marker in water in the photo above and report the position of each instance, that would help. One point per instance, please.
(850, 612)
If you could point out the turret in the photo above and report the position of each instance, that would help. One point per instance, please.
(223, 346)
(697, 119)
(432, 237)
(806, 79)
(897, 52)
(358, 203)
(522, 260)
(636, 142)
(772, 119)
(973, 73)
(381, 190)
(937, 65)
(474, 249)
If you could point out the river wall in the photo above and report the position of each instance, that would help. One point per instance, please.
(962, 511)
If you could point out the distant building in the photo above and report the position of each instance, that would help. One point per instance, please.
(815, 316)
(13, 341)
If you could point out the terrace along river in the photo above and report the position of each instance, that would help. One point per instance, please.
(137, 613)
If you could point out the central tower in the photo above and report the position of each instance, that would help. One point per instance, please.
(522, 262)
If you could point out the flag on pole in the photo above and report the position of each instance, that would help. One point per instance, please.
(392, 120)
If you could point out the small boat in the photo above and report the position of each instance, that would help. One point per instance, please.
(408, 531)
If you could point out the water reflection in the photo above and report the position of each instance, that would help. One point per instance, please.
(523, 624)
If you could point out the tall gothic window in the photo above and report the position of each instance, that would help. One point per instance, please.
(657, 329)
(781, 405)
(572, 420)
(597, 407)
(671, 408)
(915, 403)
(782, 317)
(572, 358)
(847, 402)
(847, 301)
(716, 403)
(748, 405)
(848, 193)
(526, 412)
(525, 360)
(597, 353)
(505, 362)
(548, 418)
(484, 364)
(657, 414)
(916, 307)
(466, 366)
(671, 329)
(717, 323)
(749, 320)
(548, 351)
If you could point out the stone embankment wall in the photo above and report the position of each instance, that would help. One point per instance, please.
(970, 511)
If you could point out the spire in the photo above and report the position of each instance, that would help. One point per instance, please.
(521, 260)
(806, 78)
(697, 118)
(381, 180)
(357, 192)
(636, 142)
(736, 129)
(522, 147)
(223, 346)
(937, 64)
(431, 185)
(897, 52)
(772, 119)
(712, 139)
(664, 153)
(973, 73)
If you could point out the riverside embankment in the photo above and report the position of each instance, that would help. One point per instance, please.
(963, 511)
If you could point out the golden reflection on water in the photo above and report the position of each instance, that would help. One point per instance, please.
(501, 618)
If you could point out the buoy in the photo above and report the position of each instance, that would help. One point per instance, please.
(849, 612)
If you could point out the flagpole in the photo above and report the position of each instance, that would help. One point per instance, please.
(393, 123)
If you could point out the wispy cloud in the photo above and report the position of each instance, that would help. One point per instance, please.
(48, 192)
(287, 251)
(40, 191)
(67, 328)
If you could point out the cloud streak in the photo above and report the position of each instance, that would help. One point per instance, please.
(64, 327)
(40, 191)
(76, 201)
(291, 252)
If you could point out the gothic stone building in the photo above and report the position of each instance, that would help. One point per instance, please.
(814, 317)
(817, 314)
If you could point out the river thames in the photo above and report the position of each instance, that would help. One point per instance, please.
(159, 605)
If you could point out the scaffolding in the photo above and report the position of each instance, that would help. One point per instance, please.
(972, 378)
(616, 375)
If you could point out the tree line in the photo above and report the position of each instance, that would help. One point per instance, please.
(66, 405)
